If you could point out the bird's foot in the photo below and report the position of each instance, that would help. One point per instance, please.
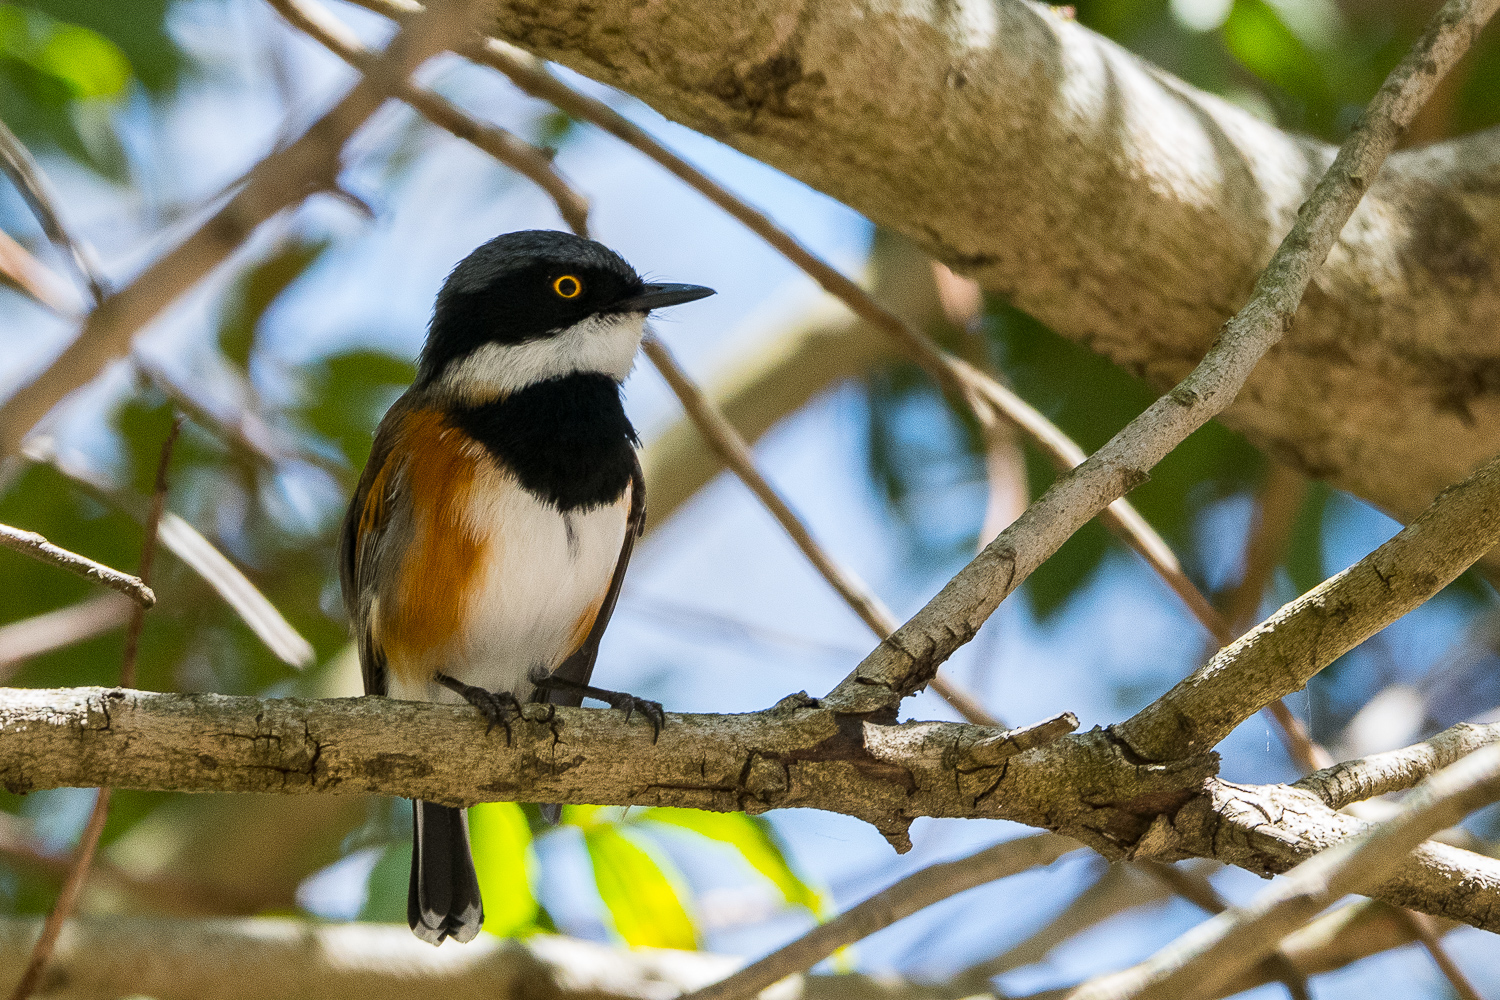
(499, 708)
(652, 710)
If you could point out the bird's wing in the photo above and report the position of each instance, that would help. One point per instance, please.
(579, 666)
(366, 544)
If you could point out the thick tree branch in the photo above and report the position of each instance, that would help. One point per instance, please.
(1120, 206)
(1086, 786)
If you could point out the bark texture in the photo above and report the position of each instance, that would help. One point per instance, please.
(1125, 209)
(1086, 786)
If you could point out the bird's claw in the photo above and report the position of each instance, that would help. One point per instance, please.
(499, 708)
(652, 710)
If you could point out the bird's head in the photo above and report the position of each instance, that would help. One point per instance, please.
(536, 305)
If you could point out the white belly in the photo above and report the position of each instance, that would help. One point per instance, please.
(544, 572)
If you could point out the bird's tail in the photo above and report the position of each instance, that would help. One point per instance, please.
(443, 899)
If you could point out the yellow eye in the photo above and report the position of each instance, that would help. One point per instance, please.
(568, 287)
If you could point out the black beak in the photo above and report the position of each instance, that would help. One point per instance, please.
(659, 296)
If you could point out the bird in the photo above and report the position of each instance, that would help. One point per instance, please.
(484, 548)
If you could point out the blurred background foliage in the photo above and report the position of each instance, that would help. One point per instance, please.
(99, 91)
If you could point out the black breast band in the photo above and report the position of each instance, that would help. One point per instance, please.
(567, 439)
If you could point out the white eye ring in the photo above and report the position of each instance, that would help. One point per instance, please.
(568, 287)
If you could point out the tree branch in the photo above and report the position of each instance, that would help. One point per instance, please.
(1205, 958)
(915, 892)
(1379, 774)
(1283, 652)
(34, 545)
(1123, 208)
(1085, 786)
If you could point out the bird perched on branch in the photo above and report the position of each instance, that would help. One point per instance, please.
(485, 546)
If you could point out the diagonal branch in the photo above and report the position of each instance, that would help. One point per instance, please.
(916, 891)
(32, 183)
(735, 454)
(34, 545)
(905, 661)
(1283, 652)
(318, 22)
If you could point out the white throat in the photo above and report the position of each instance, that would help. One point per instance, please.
(605, 343)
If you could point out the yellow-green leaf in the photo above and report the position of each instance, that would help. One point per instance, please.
(501, 841)
(646, 909)
(756, 841)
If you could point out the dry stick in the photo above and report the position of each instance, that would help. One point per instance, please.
(32, 544)
(735, 453)
(1213, 953)
(915, 892)
(88, 841)
(950, 619)
(28, 178)
(536, 166)
(282, 179)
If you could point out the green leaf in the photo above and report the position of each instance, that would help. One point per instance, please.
(501, 841)
(756, 840)
(88, 65)
(646, 909)
(347, 394)
(256, 289)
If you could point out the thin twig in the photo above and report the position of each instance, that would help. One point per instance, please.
(735, 453)
(28, 178)
(1426, 931)
(88, 842)
(320, 24)
(32, 544)
(1276, 511)
(915, 892)
(1203, 959)
(148, 549)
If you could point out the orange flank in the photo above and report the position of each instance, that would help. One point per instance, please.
(443, 554)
